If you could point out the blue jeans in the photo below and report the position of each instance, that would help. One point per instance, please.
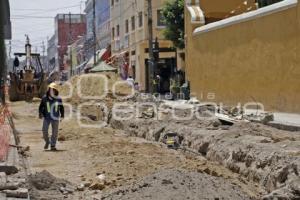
(54, 125)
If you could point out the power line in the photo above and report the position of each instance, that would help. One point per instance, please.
(41, 11)
(30, 17)
(46, 10)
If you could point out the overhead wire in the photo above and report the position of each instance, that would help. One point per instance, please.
(33, 15)
(26, 16)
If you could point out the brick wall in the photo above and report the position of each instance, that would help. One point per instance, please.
(64, 38)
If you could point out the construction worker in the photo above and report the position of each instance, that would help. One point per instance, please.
(52, 111)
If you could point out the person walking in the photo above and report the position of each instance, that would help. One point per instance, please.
(51, 110)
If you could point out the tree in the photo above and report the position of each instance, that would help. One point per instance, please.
(173, 12)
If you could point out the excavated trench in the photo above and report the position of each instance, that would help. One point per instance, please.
(264, 155)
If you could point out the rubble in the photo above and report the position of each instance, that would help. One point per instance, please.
(290, 192)
(44, 186)
(12, 180)
(13, 187)
(97, 186)
(18, 193)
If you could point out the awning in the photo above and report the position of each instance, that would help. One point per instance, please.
(103, 67)
(116, 56)
(81, 65)
(102, 55)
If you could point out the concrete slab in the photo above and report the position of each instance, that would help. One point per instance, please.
(19, 193)
(286, 121)
(287, 118)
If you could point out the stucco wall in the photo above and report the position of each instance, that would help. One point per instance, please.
(222, 9)
(257, 59)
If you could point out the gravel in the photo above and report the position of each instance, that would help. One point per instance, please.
(179, 185)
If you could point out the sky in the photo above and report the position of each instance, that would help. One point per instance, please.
(36, 18)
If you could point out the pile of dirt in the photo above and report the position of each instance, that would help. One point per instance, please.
(178, 185)
(44, 186)
(82, 87)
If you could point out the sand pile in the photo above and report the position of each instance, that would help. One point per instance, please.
(91, 86)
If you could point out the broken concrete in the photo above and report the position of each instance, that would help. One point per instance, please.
(12, 188)
(44, 185)
(18, 193)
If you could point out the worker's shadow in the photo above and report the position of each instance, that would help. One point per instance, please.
(56, 151)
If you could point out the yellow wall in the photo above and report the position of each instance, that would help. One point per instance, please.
(257, 59)
(223, 9)
(138, 38)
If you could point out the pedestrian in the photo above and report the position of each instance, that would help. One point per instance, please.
(136, 86)
(158, 79)
(51, 110)
(130, 81)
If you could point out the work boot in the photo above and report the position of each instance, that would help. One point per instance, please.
(53, 148)
(46, 145)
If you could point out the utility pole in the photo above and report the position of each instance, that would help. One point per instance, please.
(9, 51)
(94, 31)
(46, 49)
(151, 62)
(70, 43)
(81, 2)
(43, 50)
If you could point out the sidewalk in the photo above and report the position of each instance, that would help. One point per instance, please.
(286, 121)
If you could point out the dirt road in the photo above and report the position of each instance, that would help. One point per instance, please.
(103, 160)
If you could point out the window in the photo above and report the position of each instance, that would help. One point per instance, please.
(113, 2)
(133, 23)
(126, 41)
(126, 26)
(113, 33)
(118, 30)
(160, 18)
(140, 19)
